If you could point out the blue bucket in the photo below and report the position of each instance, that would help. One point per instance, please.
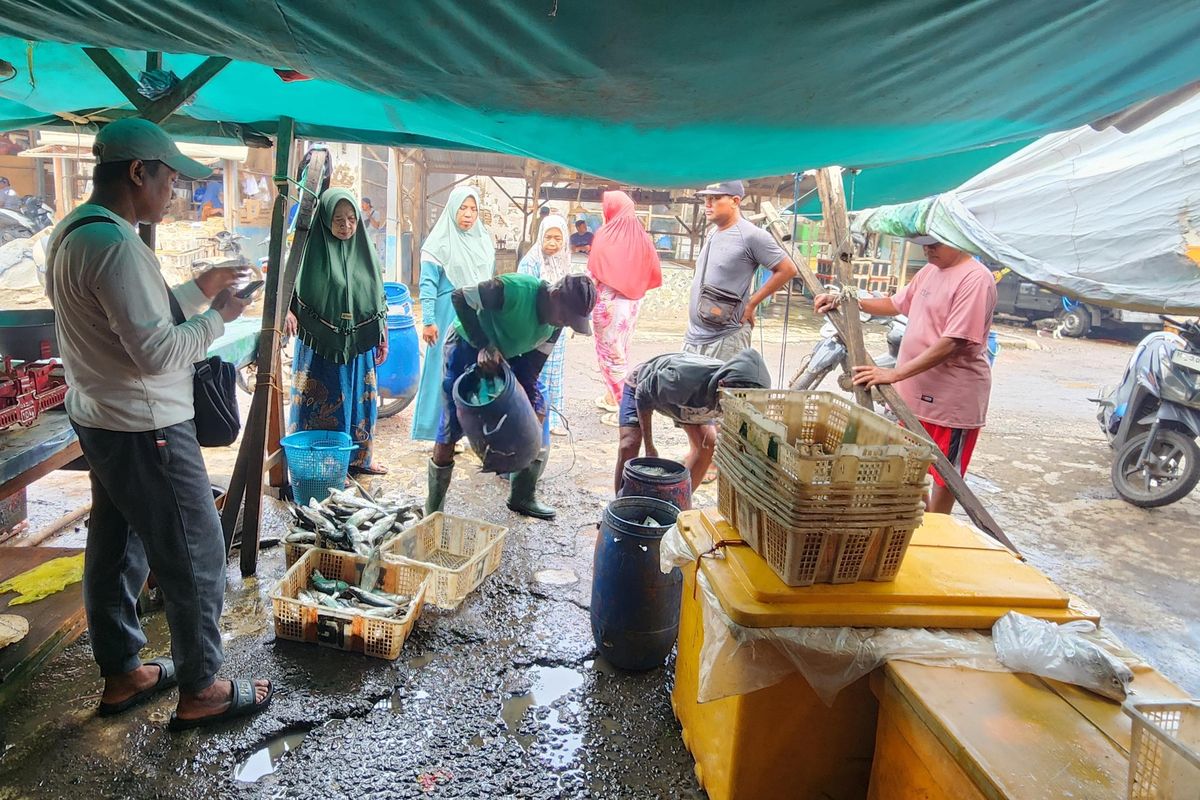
(398, 376)
(504, 431)
(317, 462)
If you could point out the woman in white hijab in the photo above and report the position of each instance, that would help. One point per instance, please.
(550, 259)
(458, 252)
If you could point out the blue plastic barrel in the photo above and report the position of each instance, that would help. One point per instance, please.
(504, 432)
(674, 484)
(993, 347)
(399, 375)
(635, 608)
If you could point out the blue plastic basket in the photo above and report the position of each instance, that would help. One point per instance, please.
(317, 462)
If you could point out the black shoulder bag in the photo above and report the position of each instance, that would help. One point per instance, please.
(214, 394)
(214, 383)
(717, 307)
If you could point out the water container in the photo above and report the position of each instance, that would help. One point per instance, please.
(504, 432)
(675, 486)
(635, 608)
(399, 375)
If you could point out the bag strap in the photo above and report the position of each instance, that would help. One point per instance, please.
(79, 223)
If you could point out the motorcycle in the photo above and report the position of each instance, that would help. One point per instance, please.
(1152, 418)
(31, 216)
(831, 352)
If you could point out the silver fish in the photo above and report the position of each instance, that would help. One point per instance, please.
(300, 536)
(360, 517)
(370, 573)
(378, 529)
(370, 598)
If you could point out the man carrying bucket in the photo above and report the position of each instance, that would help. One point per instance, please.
(686, 388)
(515, 319)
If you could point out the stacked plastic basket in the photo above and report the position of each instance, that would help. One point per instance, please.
(824, 490)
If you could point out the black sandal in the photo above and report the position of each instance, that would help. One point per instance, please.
(241, 704)
(166, 680)
(368, 470)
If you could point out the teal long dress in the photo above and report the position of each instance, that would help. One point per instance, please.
(436, 309)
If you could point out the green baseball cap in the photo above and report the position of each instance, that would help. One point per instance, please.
(137, 139)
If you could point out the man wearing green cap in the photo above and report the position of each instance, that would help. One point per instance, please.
(129, 368)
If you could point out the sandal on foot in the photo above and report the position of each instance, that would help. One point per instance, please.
(241, 704)
(166, 680)
(371, 469)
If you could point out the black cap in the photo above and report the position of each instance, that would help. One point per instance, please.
(578, 296)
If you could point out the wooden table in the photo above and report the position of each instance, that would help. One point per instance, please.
(969, 735)
(54, 622)
(28, 454)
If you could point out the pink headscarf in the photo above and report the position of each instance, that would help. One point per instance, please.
(623, 256)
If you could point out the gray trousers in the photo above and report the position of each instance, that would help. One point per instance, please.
(724, 348)
(152, 509)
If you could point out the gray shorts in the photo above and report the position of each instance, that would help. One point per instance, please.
(724, 348)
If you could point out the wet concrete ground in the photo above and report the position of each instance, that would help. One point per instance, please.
(505, 697)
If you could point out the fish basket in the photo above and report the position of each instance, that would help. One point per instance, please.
(1164, 754)
(293, 552)
(823, 490)
(317, 462)
(460, 552)
(380, 637)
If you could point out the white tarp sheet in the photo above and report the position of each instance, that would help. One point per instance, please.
(1103, 216)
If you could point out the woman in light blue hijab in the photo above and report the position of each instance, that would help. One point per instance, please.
(458, 252)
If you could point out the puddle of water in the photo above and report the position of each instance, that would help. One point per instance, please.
(555, 577)
(395, 701)
(417, 662)
(266, 760)
(548, 685)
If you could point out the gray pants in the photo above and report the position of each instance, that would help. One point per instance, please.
(152, 509)
(724, 348)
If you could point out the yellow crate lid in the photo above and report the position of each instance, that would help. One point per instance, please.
(951, 578)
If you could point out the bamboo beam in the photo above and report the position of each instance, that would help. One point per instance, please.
(833, 203)
(950, 474)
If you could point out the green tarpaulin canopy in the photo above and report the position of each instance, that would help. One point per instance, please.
(654, 93)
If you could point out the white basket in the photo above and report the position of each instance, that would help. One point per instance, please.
(1164, 756)
(460, 552)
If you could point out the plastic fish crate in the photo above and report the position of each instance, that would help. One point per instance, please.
(293, 552)
(381, 637)
(461, 552)
(1164, 755)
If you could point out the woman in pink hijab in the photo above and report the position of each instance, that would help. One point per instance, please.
(625, 266)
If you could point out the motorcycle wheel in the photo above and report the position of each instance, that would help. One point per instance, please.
(1075, 323)
(391, 406)
(1171, 471)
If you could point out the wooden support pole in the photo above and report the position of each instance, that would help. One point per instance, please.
(247, 481)
(950, 474)
(833, 204)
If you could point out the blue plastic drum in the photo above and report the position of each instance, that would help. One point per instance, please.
(400, 374)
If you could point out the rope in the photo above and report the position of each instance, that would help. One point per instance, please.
(712, 551)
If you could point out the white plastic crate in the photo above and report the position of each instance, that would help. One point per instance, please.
(460, 552)
(1164, 755)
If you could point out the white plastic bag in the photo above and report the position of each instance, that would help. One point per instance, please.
(1025, 644)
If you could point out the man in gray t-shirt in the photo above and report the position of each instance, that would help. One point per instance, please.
(727, 264)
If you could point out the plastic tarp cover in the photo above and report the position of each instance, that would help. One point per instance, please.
(1103, 216)
(735, 659)
(659, 94)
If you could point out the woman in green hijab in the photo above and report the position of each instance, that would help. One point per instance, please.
(338, 314)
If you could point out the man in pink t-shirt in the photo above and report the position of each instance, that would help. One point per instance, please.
(942, 372)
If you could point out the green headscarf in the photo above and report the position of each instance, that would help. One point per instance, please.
(339, 302)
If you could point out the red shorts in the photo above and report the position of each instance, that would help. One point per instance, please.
(957, 443)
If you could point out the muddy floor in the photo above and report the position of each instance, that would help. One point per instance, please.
(506, 697)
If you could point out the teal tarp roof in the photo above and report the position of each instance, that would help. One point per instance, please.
(655, 93)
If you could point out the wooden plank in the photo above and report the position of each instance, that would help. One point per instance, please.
(950, 474)
(833, 204)
(117, 74)
(54, 621)
(169, 103)
(56, 461)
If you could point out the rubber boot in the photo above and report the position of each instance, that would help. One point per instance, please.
(523, 488)
(439, 482)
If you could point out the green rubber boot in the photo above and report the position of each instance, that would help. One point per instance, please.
(439, 482)
(523, 487)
